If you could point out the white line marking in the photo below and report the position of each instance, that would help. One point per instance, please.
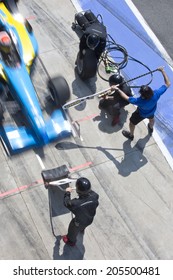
(76, 5)
(40, 161)
(163, 149)
(156, 41)
(150, 32)
(161, 146)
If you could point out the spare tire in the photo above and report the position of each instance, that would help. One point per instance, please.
(59, 89)
(87, 65)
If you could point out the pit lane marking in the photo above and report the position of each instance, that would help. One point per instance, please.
(40, 161)
(86, 118)
(39, 182)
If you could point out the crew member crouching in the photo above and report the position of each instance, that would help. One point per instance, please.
(114, 103)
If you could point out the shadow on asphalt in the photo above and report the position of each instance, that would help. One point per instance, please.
(132, 160)
(69, 253)
(105, 119)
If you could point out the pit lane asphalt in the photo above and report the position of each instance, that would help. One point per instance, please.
(133, 179)
(158, 14)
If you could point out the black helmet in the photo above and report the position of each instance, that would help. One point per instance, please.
(92, 41)
(5, 42)
(115, 79)
(83, 185)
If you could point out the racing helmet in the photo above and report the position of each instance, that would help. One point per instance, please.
(115, 79)
(92, 41)
(5, 42)
(83, 185)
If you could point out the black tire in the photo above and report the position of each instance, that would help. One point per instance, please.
(11, 5)
(87, 66)
(59, 89)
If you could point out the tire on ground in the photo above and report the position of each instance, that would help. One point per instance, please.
(87, 66)
(59, 89)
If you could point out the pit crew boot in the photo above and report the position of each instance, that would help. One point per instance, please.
(67, 241)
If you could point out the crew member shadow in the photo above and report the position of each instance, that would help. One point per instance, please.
(133, 158)
(57, 208)
(69, 253)
(105, 119)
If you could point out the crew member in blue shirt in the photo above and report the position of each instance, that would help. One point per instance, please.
(146, 104)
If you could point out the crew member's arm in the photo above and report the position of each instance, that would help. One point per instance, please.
(67, 197)
(166, 79)
(122, 93)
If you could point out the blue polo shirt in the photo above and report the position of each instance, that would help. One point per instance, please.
(147, 108)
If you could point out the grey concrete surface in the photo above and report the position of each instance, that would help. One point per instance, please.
(134, 182)
(158, 15)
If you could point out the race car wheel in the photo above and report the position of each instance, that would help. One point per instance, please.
(11, 5)
(59, 89)
(87, 65)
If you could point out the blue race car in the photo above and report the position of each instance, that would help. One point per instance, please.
(18, 51)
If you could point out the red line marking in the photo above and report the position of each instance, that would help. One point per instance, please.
(38, 182)
(86, 118)
(20, 188)
(9, 192)
(31, 17)
(80, 166)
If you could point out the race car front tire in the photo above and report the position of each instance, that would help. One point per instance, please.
(11, 5)
(59, 89)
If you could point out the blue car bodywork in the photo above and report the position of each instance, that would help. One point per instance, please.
(17, 77)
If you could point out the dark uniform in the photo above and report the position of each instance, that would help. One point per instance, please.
(114, 104)
(84, 209)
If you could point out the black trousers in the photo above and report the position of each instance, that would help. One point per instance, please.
(111, 106)
(73, 230)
